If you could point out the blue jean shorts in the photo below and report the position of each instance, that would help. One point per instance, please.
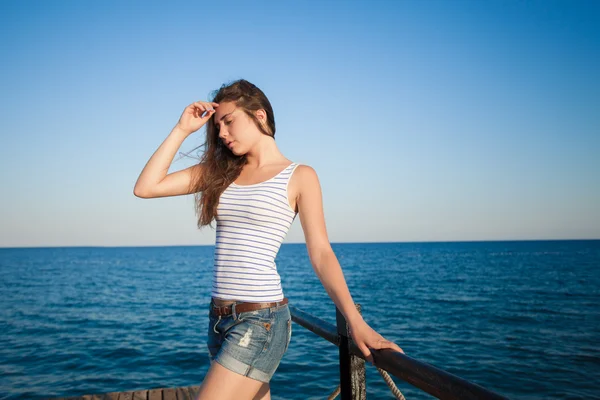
(250, 343)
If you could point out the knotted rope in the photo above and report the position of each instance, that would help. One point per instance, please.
(386, 377)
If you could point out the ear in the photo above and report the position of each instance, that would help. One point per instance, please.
(261, 115)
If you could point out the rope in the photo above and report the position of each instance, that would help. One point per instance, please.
(395, 391)
(335, 393)
(386, 377)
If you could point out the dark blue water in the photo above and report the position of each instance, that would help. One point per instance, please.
(520, 318)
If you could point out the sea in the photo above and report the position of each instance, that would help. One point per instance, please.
(521, 318)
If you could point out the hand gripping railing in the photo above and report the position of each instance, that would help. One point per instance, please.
(426, 377)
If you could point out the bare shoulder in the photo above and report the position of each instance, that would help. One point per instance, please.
(304, 178)
(305, 174)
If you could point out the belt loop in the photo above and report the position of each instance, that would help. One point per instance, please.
(216, 323)
(233, 311)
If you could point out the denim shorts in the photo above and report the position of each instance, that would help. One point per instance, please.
(250, 343)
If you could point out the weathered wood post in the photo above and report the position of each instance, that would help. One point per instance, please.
(352, 369)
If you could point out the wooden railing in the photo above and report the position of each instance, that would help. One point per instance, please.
(426, 377)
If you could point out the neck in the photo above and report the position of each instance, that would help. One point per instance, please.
(264, 152)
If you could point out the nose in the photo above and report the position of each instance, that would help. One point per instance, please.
(222, 132)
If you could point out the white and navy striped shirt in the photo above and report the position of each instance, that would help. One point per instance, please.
(252, 221)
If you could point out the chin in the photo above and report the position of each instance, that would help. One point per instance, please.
(237, 152)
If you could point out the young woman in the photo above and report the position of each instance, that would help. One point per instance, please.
(254, 193)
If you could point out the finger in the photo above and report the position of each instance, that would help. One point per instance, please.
(209, 114)
(201, 105)
(386, 344)
(214, 104)
(397, 348)
(366, 352)
(203, 111)
(394, 346)
(208, 110)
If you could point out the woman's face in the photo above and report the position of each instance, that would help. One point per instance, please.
(237, 131)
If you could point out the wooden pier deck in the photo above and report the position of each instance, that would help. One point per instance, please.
(184, 393)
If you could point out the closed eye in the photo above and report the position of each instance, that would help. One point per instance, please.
(217, 126)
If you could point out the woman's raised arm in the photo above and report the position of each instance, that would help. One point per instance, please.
(153, 180)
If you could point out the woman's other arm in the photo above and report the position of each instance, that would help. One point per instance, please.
(326, 265)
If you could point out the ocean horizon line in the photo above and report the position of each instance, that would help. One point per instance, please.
(304, 243)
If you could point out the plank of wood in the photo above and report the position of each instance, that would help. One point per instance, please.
(140, 395)
(126, 396)
(194, 390)
(169, 394)
(155, 394)
(111, 396)
(183, 394)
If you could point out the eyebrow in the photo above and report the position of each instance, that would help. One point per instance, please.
(224, 117)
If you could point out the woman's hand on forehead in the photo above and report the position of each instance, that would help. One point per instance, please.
(203, 108)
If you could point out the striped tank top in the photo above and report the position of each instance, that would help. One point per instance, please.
(252, 221)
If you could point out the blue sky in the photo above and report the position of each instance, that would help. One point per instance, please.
(425, 120)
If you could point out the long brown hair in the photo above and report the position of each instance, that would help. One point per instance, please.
(219, 166)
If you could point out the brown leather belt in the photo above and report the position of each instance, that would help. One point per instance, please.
(244, 306)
